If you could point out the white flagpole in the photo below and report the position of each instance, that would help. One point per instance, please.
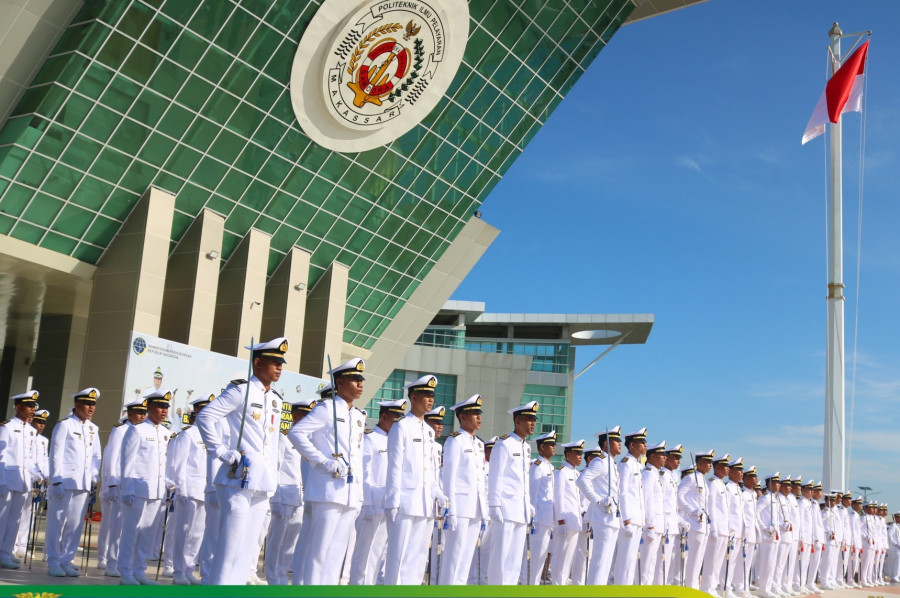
(833, 468)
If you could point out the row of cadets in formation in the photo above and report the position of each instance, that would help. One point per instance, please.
(336, 502)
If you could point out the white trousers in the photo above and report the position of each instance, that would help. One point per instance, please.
(664, 564)
(713, 561)
(459, 545)
(329, 534)
(540, 548)
(11, 514)
(892, 564)
(481, 559)
(602, 551)
(781, 582)
(111, 512)
(867, 567)
(281, 541)
(368, 553)
(407, 550)
(583, 547)
(650, 557)
(815, 558)
(243, 514)
(140, 523)
(186, 531)
(507, 544)
(694, 553)
(768, 556)
(742, 557)
(206, 556)
(565, 544)
(627, 555)
(28, 508)
(65, 522)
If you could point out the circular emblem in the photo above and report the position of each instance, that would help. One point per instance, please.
(367, 72)
(139, 346)
(274, 403)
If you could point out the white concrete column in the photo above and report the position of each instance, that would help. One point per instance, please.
(285, 304)
(323, 331)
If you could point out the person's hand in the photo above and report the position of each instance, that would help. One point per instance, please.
(112, 494)
(451, 523)
(128, 500)
(391, 514)
(230, 457)
(441, 501)
(170, 485)
(714, 535)
(277, 509)
(496, 514)
(530, 513)
(367, 513)
(335, 467)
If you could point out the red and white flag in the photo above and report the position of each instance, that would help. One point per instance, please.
(843, 93)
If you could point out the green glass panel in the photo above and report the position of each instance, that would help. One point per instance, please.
(52, 69)
(191, 199)
(129, 136)
(227, 146)
(200, 134)
(141, 64)
(168, 78)
(516, 24)
(100, 123)
(275, 170)
(279, 66)
(264, 92)
(91, 193)
(161, 33)
(314, 156)
(115, 50)
(34, 171)
(187, 50)
(157, 149)
(292, 145)
(176, 121)
(209, 17)
(138, 177)
(168, 182)
(14, 200)
(61, 181)
(214, 64)
(195, 93)
(182, 160)
(95, 80)
(119, 204)
(110, 165)
(6, 224)
(245, 119)
(209, 173)
(320, 224)
(219, 204)
(238, 79)
(324, 255)
(42, 209)
(27, 232)
(296, 182)
(252, 159)
(279, 206)
(234, 184)
(135, 20)
(73, 221)
(266, 225)
(74, 111)
(285, 238)
(220, 107)
(88, 253)
(240, 220)
(257, 195)
(269, 133)
(260, 47)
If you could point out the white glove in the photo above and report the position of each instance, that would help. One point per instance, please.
(714, 535)
(441, 501)
(391, 514)
(277, 509)
(367, 513)
(496, 514)
(128, 500)
(451, 522)
(56, 491)
(112, 493)
(786, 526)
(170, 485)
(530, 513)
(333, 466)
(229, 457)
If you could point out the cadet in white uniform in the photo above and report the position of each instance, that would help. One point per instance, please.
(144, 487)
(19, 472)
(631, 502)
(249, 456)
(463, 481)
(411, 488)
(110, 494)
(735, 524)
(567, 506)
(42, 460)
(654, 512)
(771, 523)
(541, 490)
(599, 482)
(719, 527)
(435, 419)
(586, 535)
(74, 470)
(333, 492)
(744, 555)
(286, 504)
(815, 558)
(188, 468)
(508, 497)
(482, 558)
(807, 537)
(694, 508)
(371, 531)
(668, 571)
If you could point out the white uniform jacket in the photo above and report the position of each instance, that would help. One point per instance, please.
(735, 509)
(75, 453)
(290, 483)
(18, 456)
(654, 500)
(144, 451)
(411, 483)
(508, 486)
(771, 518)
(187, 463)
(750, 514)
(42, 450)
(670, 501)
(541, 487)
(599, 482)
(262, 426)
(567, 497)
(718, 507)
(112, 456)
(631, 493)
(693, 502)
(463, 474)
(313, 436)
(375, 466)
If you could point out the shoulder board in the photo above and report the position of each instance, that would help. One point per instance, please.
(601, 456)
(183, 428)
(172, 437)
(369, 431)
(238, 381)
(661, 472)
(4, 422)
(119, 424)
(278, 394)
(358, 409)
(648, 468)
(455, 434)
(624, 460)
(504, 437)
(559, 467)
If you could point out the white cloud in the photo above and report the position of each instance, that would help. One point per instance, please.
(688, 163)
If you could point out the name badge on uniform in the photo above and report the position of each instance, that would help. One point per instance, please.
(151, 438)
(257, 405)
(382, 451)
(417, 440)
(467, 451)
(517, 454)
(77, 433)
(17, 431)
(340, 420)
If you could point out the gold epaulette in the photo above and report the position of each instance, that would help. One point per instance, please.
(504, 437)
(454, 434)
(369, 431)
(624, 460)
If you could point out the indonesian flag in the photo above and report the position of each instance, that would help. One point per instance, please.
(843, 93)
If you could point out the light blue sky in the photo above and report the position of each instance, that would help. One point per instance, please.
(672, 181)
